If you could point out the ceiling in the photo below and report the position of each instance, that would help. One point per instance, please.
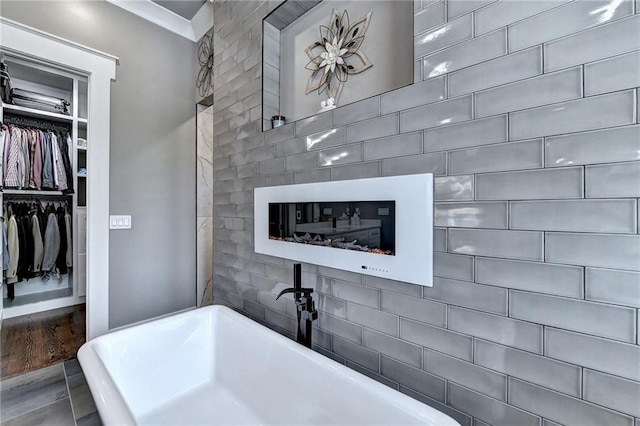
(185, 8)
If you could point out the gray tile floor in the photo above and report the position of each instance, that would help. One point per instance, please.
(54, 395)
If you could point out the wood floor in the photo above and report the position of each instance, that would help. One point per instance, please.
(34, 341)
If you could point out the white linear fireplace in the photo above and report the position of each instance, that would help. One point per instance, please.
(380, 226)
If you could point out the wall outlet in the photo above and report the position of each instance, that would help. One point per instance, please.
(120, 222)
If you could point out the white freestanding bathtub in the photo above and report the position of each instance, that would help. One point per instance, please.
(214, 366)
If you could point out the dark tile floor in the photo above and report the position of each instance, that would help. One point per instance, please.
(54, 395)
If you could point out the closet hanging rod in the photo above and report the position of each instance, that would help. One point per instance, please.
(12, 198)
(35, 123)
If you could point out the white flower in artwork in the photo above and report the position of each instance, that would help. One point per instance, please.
(337, 55)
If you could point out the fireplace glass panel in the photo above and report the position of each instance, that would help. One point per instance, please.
(367, 226)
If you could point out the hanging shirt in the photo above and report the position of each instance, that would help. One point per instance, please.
(38, 247)
(11, 173)
(13, 248)
(35, 179)
(51, 243)
(67, 219)
(5, 151)
(5, 248)
(47, 164)
(61, 177)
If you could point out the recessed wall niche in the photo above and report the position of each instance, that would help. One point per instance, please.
(295, 25)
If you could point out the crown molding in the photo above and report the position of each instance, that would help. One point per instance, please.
(192, 30)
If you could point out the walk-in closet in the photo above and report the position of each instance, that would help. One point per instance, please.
(44, 171)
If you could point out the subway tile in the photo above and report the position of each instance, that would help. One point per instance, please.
(503, 13)
(614, 145)
(325, 139)
(467, 374)
(392, 347)
(495, 328)
(26, 392)
(561, 408)
(523, 245)
(500, 157)
(356, 353)
(254, 309)
(613, 286)
(355, 293)
(289, 147)
(310, 176)
(393, 146)
(470, 295)
(488, 409)
(411, 307)
(413, 378)
(446, 35)
(373, 318)
(575, 315)
(370, 129)
(435, 163)
(615, 109)
(609, 356)
(543, 90)
(612, 392)
(304, 161)
(321, 338)
(613, 180)
(610, 75)
(340, 327)
(341, 155)
(471, 215)
(472, 52)
(534, 184)
(264, 153)
(453, 188)
(414, 95)
(313, 124)
(436, 114)
(536, 369)
(439, 241)
(356, 171)
(278, 134)
(373, 375)
(594, 44)
(568, 19)
(455, 266)
(606, 216)
(395, 286)
(271, 167)
(281, 321)
(503, 70)
(461, 7)
(275, 180)
(429, 17)
(470, 133)
(441, 340)
(331, 305)
(600, 250)
(357, 111)
(456, 415)
(547, 278)
(329, 354)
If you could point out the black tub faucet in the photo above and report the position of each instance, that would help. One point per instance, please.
(305, 305)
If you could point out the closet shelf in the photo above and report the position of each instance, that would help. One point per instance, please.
(31, 192)
(44, 296)
(36, 113)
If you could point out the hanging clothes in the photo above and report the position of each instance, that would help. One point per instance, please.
(65, 143)
(13, 248)
(67, 220)
(11, 179)
(38, 246)
(47, 164)
(5, 247)
(51, 243)
(61, 261)
(35, 179)
(61, 176)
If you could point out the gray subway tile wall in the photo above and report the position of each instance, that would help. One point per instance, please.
(527, 112)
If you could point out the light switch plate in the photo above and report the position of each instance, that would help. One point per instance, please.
(120, 222)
